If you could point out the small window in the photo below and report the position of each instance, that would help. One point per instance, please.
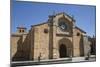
(78, 34)
(45, 30)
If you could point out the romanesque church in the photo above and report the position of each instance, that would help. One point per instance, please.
(58, 37)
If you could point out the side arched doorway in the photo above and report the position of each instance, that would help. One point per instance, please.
(65, 48)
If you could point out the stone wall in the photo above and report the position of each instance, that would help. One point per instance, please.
(14, 41)
(41, 42)
(77, 42)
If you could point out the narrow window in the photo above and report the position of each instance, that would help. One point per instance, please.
(19, 31)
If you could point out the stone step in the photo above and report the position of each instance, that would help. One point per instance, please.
(52, 61)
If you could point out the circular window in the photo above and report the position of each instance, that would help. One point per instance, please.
(63, 26)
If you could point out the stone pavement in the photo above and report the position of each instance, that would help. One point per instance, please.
(53, 61)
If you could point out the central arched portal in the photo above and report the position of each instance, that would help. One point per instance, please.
(65, 48)
(63, 51)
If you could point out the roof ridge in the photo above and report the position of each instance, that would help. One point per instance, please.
(80, 29)
(38, 24)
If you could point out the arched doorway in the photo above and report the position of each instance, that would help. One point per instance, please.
(63, 51)
(65, 48)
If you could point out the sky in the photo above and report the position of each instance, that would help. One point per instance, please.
(32, 13)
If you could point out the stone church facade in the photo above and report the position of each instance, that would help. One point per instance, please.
(58, 37)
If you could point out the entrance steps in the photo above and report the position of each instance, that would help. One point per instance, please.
(53, 61)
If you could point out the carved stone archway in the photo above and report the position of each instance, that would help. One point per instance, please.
(65, 48)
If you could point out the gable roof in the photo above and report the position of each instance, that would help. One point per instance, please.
(80, 29)
(53, 17)
(39, 24)
(66, 15)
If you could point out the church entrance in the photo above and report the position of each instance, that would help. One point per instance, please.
(63, 51)
(65, 48)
